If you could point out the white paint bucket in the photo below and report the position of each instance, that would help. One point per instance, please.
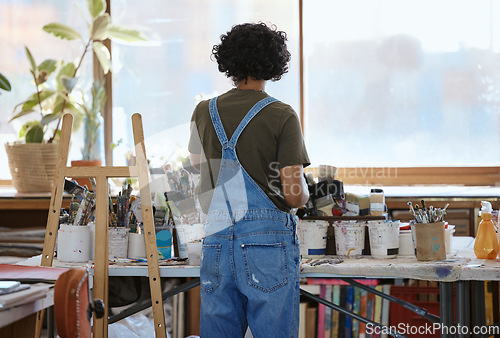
(136, 245)
(350, 238)
(312, 238)
(74, 243)
(194, 252)
(406, 247)
(188, 233)
(92, 239)
(448, 235)
(118, 242)
(384, 238)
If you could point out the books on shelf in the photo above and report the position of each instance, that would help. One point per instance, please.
(333, 324)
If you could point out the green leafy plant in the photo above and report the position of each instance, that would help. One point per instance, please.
(54, 98)
(4, 83)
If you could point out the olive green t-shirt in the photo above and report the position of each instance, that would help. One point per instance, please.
(272, 140)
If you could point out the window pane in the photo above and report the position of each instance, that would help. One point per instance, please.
(163, 80)
(402, 83)
(21, 25)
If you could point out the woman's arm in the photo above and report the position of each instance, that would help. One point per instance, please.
(294, 185)
(195, 160)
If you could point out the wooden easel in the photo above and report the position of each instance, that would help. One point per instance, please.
(101, 174)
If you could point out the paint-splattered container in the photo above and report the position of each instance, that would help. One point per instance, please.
(350, 238)
(429, 241)
(74, 243)
(312, 238)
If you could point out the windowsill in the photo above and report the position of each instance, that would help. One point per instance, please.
(427, 191)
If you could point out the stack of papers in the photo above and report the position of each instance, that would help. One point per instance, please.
(27, 293)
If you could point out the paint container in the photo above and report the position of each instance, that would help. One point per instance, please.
(429, 241)
(92, 239)
(406, 247)
(73, 243)
(350, 238)
(118, 242)
(188, 233)
(136, 245)
(384, 238)
(449, 231)
(312, 238)
(194, 252)
(164, 244)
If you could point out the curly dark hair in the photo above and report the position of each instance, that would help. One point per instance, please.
(254, 50)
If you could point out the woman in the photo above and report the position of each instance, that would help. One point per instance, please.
(250, 152)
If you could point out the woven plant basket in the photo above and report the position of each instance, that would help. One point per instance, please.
(32, 166)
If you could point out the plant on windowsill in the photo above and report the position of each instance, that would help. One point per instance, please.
(93, 133)
(57, 92)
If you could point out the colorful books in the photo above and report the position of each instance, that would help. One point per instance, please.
(385, 308)
(321, 313)
(328, 312)
(349, 306)
(335, 314)
(363, 312)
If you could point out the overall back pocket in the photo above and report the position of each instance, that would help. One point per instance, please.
(209, 269)
(265, 265)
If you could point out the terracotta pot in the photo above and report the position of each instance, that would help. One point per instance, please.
(82, 163)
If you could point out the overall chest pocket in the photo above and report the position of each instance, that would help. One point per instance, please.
(265, 265)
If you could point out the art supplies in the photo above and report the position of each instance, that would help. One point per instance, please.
(82, 205)
(377, 202)
(427, 215)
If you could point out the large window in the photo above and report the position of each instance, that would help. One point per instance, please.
(402, 83)
(164, 79)
(21, 24)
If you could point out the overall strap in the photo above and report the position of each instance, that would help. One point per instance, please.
(219, 129)
(248, 117)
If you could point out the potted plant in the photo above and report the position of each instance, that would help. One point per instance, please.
(56, 83)
(92, 124)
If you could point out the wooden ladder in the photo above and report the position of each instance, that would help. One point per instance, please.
(101, 174)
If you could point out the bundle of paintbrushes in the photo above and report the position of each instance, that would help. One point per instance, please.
(427, 215)
(82, 205)
(124, 216)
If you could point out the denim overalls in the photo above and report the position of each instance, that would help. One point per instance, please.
(250, 256)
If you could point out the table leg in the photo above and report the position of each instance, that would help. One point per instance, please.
(463, 308)
(446, 308)
(479, 309)
(50, 322)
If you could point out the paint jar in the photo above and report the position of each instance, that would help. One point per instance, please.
(74, 243)
(164, 244)
(350, 238)
(384, 238)
(118, 242)
(188, 233)
(312, 238)
(448, 231)
(92, 239)
(194, 253)
(136, 245)
(377, 202)
(429, 241)
(406, 247)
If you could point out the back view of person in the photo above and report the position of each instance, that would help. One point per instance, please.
(250, 152)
